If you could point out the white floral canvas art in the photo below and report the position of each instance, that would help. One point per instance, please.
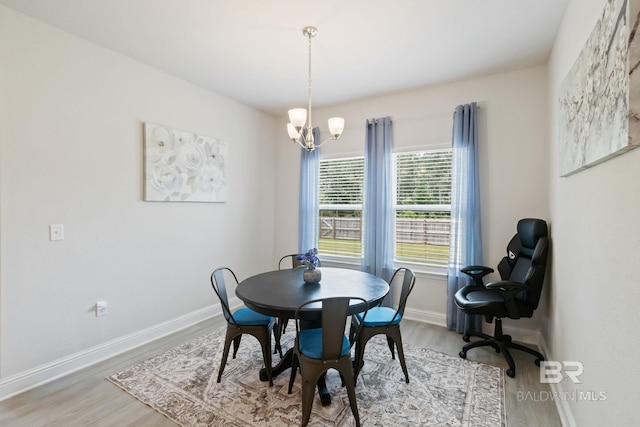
(183, 166)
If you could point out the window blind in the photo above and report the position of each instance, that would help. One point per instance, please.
(422, 186)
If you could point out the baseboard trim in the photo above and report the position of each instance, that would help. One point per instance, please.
(426, 316)
(43, 374)
(523, 335)
(562, 405)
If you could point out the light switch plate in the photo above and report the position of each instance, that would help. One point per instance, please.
(102, 308)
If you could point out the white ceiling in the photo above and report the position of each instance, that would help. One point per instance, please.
(254, 51)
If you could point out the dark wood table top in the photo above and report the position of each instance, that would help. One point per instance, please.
(279, 293)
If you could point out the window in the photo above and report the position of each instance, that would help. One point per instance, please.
(422, 184)
(341, 183)
(423, 206)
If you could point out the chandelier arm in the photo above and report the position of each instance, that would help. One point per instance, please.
(303, 142)
(298, 141)
(333, 138)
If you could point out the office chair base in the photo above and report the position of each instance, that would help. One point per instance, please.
(501, 344)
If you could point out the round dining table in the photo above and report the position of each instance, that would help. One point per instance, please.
(279, 293)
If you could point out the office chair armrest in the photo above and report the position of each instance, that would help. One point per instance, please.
(477, 272)
(506, 285)
(510, 290)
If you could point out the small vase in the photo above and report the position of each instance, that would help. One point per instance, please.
(312, 275)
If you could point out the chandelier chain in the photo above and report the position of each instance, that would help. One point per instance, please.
(310, 131)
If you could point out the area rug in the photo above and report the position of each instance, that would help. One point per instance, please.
(444, 390)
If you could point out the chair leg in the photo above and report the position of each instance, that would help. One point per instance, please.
(308, 393)
(277, 334)
(398, 340)
(501, 347)
(361, 342)
(507, 355)
(352, 329)
(483, 343)
(236, 345)
(349, 382)
(469, 334)
(283, 325)
(225, 354)
(539, 357)
(394, 340)
(294, 370)
(391, 347)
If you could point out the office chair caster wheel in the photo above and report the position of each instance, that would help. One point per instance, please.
(511, 373)
(466, 338)
(463, 354)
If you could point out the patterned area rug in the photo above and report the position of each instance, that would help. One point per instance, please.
(444, 390)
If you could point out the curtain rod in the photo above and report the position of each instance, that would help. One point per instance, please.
(477, 107)
(420, 116)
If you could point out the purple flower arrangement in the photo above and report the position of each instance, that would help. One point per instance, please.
(309, 259)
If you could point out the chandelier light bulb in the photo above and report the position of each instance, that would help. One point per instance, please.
(293, 133)
(298, 117)
(336, 126)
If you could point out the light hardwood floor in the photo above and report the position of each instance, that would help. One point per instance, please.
(86, 398)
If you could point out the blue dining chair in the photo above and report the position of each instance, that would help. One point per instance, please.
(317, 350)
(383, 320)
(242, 321)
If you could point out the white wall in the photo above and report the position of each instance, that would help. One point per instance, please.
(71, 117)
(513, 161)
(593, 311)
(71, 120)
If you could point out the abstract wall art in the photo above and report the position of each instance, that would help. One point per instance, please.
(634, 72)
(599, 98)
(183, 166)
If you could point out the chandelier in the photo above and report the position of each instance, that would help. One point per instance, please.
(300, 133)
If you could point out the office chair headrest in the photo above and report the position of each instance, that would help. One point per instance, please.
(530, 230)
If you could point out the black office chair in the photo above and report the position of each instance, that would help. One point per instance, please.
(242, 321)
(317, 350)
(383, 320)
(517, 295)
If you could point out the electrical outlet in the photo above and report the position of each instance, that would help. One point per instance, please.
(56, 232)
(102, 308)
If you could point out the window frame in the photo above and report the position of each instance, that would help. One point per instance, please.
(350, 262)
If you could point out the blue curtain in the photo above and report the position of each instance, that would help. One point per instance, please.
(308, 214)
(465, 245)
(377, 210)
